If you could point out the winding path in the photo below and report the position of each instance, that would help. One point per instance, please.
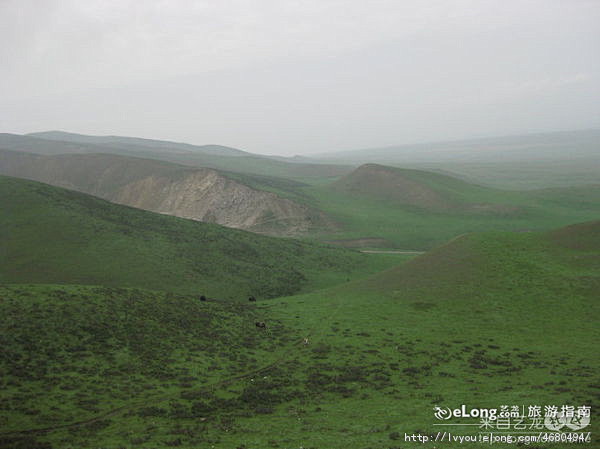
(163, 397)
(377, 251)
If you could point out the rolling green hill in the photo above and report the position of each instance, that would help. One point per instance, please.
(485, 320)
(415, 209)
(52, 235)
(375, 205)
(417, 188)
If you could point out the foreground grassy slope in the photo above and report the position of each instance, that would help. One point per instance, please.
(415, 209)
(52, 235)
(486, 320)
(72, 353)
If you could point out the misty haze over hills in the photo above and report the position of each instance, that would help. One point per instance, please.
(318, 198)
(525, 161)
(135, 143)
(542, 147)
(300, 77)
(292, 224)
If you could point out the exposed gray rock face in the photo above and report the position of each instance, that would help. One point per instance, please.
(199, 194)
(208, 196)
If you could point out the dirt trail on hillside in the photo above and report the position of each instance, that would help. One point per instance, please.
(284, 355)
(376, 251)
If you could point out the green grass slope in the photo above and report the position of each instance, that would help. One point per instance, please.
(420, 189)
(73, 353)
(485, 320)
(415, 209)
(52, 235)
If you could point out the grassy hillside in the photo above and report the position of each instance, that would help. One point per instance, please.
(415, 209)
(420, 189)
(52, 235)
(485, 320)
(71, 353)
(398, 208)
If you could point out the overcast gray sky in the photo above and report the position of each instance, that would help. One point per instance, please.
(295, 77)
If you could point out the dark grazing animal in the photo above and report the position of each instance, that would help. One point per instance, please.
(202, 298)
(252, 299)
(261, 324)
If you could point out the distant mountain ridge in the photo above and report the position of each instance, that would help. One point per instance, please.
(36, 145)
(552, 146)
(207, 156)
(136, 143)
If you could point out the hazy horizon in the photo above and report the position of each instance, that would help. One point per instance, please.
(280, 77)
(321, 153)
